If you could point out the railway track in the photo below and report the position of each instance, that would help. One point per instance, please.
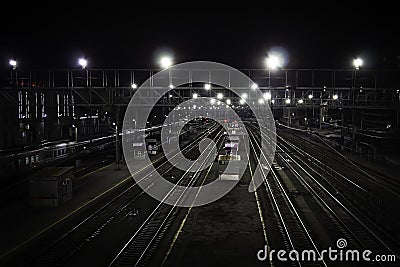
(88, 229)
(355, 226)
(335, 159)
(354, 193)
(293, 228)
(366, 233)
(141, 246)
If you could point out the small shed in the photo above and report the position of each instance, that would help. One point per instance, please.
(51, 186)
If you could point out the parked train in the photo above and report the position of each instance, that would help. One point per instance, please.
(22, 162)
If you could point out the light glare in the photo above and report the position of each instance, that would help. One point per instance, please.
(13, 63)
(83, 62)
(357, 62)
(274, 62)
(267, 96)
(166, 62)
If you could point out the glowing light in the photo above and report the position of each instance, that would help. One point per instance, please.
(13, 63)
(195, 96)
(242, 101)
(220, 96)
(310, 96)
(335, 97)
(244, 96)
(287, 100)
(212, 101)
(300, 101)
(228, 101)
(133, 86)
(260, 101)
(267, 96)
(274, 62)
(166, 62)
(171, 86)
(357, 62)
(83, 62)
(254, 86)
(207, 86)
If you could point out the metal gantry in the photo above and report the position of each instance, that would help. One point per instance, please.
(57, 98)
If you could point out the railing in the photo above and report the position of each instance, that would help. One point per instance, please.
(282, 78)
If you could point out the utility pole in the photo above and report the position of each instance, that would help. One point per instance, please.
(117, 140)
(353, 94)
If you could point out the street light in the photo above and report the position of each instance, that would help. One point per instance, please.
(274, 62)
(220, 96)
(171, 86)
(195, 96)
(310, 96)
(166, 62)
(133, 86)
(83, 62)
(13, 63)
(207, 86)
(267, 95)
(357, 63)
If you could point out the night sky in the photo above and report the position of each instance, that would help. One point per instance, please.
(132, 34)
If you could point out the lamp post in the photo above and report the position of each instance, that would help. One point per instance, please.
(76, 132)
(83, 63)
(357, 63)
(273, 62)
(116, 145)
(13, 65)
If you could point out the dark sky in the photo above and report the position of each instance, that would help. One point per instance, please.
(323, 34)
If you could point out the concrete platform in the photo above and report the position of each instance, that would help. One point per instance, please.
(227, 232)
